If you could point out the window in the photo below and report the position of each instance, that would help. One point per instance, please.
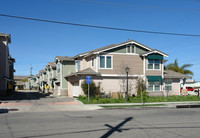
(153, 86)
(78, 65)
(168, 85)
(58, 68)
(106, 62)
(154, 64)
(130, 49)
(93, 62)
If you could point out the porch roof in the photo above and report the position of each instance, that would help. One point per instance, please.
(87, 71)
(169, 74)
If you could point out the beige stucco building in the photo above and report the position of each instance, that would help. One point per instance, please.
(106, 66)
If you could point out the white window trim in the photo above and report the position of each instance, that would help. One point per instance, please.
(57, 68)
(132, 48)
(160, 65)
(119, 53)
(92, 60)
(154, 88)
(106, 61)
(76, 65)
(170, 85)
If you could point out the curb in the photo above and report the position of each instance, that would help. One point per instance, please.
(79, 101)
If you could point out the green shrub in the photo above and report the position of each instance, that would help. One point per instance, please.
(92, 88)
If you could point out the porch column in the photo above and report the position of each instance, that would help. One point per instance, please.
(184, 81)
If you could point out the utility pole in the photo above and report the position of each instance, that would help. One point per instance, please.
(31, 70)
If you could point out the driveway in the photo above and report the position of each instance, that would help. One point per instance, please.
(33, 101)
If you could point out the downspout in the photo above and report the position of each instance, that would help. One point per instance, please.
(144, 68)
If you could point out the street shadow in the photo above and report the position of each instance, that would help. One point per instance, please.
(2, 111)
(116, 128)
(20, 95)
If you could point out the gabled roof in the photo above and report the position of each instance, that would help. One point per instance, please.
(8, 36)
(42, 71)
(154, 51)
(51, 64)
(169, 74)
(64, 58)
(102, 49)
(20, 77)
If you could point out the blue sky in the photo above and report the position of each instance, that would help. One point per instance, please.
(38, 43)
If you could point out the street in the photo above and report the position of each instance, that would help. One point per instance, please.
(127, 123)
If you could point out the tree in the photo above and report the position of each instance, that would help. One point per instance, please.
(123, 78)
(183, 69)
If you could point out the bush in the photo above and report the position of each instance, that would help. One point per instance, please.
(92, 90)
(141, 89)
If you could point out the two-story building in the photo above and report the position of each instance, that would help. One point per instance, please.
(65, 66)
(6, 66)
(107, 66)
(43, 79)
(51, 75)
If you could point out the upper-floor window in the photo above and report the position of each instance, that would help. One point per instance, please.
(92, 62)
(58, 68)
(154, 64)
(78, 65)
(130, 49)
(105, 62)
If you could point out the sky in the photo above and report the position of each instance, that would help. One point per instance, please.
(38, 43)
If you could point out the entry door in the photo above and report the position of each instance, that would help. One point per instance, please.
(76, 90)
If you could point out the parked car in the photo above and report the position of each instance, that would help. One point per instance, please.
(188, 89)
(195, 92)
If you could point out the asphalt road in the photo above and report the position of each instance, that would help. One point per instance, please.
(123, 123)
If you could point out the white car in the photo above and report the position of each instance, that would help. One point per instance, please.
(195, 92)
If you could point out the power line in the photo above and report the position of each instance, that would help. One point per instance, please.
(100, 27)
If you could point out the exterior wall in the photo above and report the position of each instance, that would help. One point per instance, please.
(108, 84)
(48, 74)
(67, 68)
(153, 72)
(175, 87)
(4, 70)
(87, 63)
(134, 62)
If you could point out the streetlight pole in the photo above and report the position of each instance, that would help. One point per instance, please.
(127, 70)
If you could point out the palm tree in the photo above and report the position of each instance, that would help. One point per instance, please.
(183, 69)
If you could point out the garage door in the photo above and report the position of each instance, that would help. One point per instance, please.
(76, 90)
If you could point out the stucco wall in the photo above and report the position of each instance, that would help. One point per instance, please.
(134, 62)
(175, 87)
(108, 84)
(153, 72)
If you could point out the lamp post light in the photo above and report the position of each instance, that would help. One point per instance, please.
(127, 70)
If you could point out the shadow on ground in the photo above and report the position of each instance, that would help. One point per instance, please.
(3, 111)
(20, 95)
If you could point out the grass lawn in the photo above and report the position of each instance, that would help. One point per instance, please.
(117, 106)
(138, 100)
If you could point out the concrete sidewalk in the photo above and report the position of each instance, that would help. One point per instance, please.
(167, 104)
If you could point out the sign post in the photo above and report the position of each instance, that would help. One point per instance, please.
(88, 80)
